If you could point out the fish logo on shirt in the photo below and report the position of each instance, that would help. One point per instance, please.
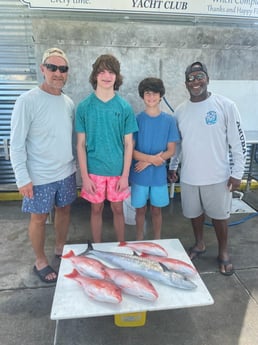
(211, 118)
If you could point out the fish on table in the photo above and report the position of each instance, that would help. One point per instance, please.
(148, 268)
(97, 289)
(145, 247)
(175, 265)
(129, 282)
(133, 284)
(86, 265)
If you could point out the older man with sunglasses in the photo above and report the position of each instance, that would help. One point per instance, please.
(209, 126)
(42, 157)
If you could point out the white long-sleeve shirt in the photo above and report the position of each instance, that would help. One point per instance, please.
(207, 130)
(41, 138)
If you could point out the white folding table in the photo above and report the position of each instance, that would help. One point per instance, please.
(70, 302)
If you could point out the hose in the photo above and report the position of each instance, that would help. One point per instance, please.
(238, 221)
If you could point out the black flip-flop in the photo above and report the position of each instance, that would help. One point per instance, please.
(195, 252)
(44, 272)
(225, 263)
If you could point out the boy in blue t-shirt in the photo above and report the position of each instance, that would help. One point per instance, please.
(154, 143)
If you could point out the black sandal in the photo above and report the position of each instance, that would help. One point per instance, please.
(44, 272)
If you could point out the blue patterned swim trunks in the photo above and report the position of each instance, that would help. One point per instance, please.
(60, 194)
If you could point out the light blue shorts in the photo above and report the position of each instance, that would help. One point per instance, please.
(158, 195)
(46, 196)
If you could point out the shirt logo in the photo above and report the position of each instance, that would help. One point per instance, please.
(211, 118)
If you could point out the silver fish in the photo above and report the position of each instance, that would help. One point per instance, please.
(147, 268)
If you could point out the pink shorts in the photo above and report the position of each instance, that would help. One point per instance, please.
(106, 189)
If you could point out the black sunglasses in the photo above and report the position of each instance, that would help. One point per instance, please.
(54, 68)
(200, 76)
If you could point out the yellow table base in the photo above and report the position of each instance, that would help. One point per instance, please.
(130, 319)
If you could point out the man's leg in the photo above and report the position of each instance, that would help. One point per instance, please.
(221, 229)
(119, 221)
(140, 220)
(37, 238)
(199, 246)
(96, 221)
(193, 209)
(62, 221)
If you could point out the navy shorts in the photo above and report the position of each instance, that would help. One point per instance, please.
(46, 196)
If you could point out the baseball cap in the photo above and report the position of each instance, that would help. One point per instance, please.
(195, 67)
(54, 52)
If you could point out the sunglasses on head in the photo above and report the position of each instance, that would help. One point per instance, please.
(199, 76)
(54, 68)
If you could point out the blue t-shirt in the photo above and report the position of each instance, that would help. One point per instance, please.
(105, 125)
(153, 137)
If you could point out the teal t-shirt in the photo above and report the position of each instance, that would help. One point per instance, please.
(105, 125)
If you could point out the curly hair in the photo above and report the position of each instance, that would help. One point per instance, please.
(151, 84)
(106, 62)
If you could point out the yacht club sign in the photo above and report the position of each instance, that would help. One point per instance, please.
(228, 8)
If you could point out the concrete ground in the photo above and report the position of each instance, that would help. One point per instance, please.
(25, 302)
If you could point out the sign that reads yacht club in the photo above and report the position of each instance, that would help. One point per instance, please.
(228, 8)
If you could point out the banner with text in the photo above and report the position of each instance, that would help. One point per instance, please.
(228, 8)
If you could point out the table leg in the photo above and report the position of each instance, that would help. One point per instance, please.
(56, 332)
